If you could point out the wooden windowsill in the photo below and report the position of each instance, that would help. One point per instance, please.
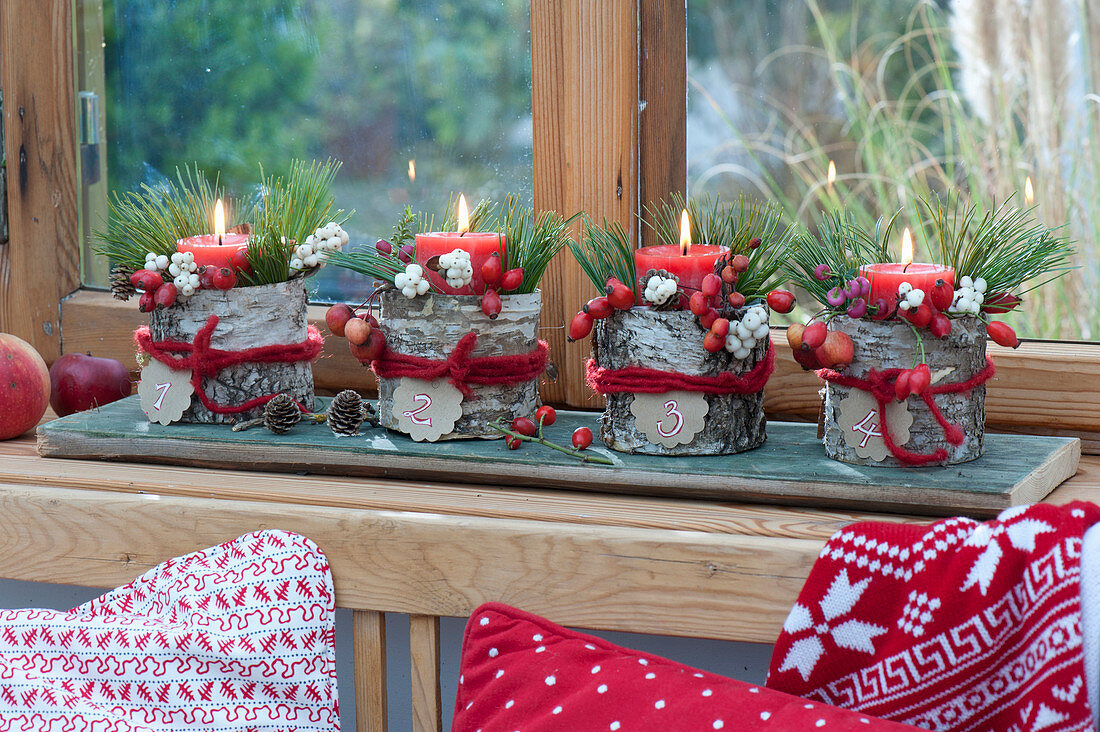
(1042, 387)
(649, 565)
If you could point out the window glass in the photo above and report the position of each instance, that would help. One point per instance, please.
(418, 98)
(968, 96)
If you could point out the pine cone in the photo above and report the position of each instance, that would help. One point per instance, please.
(346, 413)
(120, 282)
(281, 413)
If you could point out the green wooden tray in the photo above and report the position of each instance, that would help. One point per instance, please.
(790, 468)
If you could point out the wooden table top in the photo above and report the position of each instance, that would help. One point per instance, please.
(763, 552)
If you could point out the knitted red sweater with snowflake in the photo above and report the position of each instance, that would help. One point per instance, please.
(959, 625)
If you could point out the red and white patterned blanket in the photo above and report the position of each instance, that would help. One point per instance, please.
(234, 638)
(956, 626)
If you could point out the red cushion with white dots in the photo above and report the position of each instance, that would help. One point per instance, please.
(522, 672)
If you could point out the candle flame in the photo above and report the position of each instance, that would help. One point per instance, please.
(1029, 191)
(906, 247)
(685, 232)
(463, 215)
(219, 219)
(832, 174)
(412, 170)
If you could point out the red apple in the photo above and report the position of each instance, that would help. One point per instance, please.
(24, 386)
(81, 382)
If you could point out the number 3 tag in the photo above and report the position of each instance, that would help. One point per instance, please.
(426, 410)
(165, 394)
(670, 419)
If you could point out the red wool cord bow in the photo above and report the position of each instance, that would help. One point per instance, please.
(880, 384)
(640, 380)
(463, 370)
(204, 361)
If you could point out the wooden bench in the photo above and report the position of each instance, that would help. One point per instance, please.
(603, 562)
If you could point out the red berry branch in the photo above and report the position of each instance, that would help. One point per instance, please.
(524, 429)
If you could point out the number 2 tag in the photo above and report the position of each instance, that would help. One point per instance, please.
(670, 419)
(165, 394)
(426, 410)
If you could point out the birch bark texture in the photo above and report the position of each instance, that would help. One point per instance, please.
(431, 326)
(673, 341)
(248, 317)
(893, 344)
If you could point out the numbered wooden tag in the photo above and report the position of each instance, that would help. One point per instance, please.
(862, 425)
(426, 410)
(670, 419)
(165, 393)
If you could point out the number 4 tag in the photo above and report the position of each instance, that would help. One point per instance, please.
(165, 394)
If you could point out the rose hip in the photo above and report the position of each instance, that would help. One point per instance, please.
(546, 415)
(781, 301)
(582, 438)
(599, 307)
(357, 331)
(492, 269)
(814, 335)
(511, 279)
(490, 304)
(712, 285)
(1002, 334)
(736, 300)
(580, 326)
(524, 426)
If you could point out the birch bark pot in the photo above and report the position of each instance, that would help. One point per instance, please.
(431, 325)
(673, 341)
(248, 317)
(892, 344)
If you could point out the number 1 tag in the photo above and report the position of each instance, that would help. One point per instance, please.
(164, 393)
(426, 410)
(670, 419)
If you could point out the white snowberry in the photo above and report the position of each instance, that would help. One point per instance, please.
(177, 257)
(151, 266)
(162, 261)
(174, 269)
(733, 343)
(409, 292)
(904, 288)
(151, 257)
(423, 286)
(310, 261)
(659, 289)
(297, 263)
(181, 281)
(193, 280)
(966, 282)
(187, 290)
(980, 286)
(761, 333)
(751, 321)
(915, 297)
(401, 280)
(742, 353)
(743, 331)
(189, 257)
(903, 305)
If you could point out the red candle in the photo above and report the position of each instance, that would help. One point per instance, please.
(479, 245)
(215, 249)
(886, 277)
(689, 262)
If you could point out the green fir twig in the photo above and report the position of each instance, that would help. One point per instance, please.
(604, 252)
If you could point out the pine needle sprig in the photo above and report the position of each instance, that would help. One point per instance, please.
(750, 220)
(840, 244)
(709, 222)
(368, 261)
(155, 218)
(289, 210)
(1006, 246)
(532, 239)
(604, 252)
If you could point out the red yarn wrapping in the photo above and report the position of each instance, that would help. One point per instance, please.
(462, 370)
(204, 361)
(880, 384)
(640, 380)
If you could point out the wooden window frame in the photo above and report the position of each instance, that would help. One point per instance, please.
(609, 104)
